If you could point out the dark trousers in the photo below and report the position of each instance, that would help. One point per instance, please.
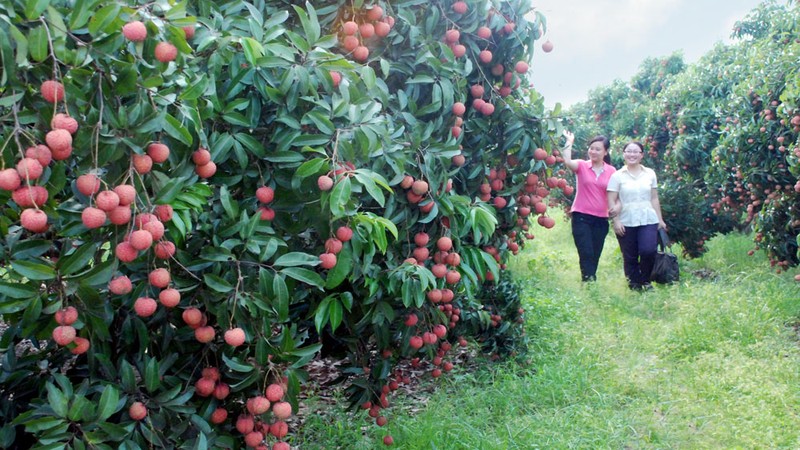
(589, 233)
(638, 247)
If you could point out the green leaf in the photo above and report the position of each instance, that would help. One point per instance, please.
(35, 8)
(196, 89)
(57, 400)
(175, 129)
(216, 283)
(152, 380)
(237, 366)
(281, 301)
(81, 13)
(309, 22)
(340, 196)
(305, 275)
(343, 268)
(38, 44)
(33, 271)
(296, 259)
(109, 400)
(231, 207)
(17, 290)
(371, 187)
(103, 18)
(252, 50)
(335, 314)
(321, 316)
(77, 260)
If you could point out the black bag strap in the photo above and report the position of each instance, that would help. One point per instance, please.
(663, 239)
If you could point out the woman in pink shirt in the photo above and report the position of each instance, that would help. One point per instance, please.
(590, 207)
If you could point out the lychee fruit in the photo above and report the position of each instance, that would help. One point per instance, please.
(459, 7)
(59, 142)
(325, 183)
(126, 194)
(156, 229)
(192, 317)
(444, 244)
(235, 337)
(9, 179)
(166, 52)
(29, 168)
(204, 387)
(265, 194)
(282, 410)
(30, 196)
(88, 184)
(142, 163)
(521, 67)
(81, 345)
(62, 121)
(64, 334)
(125, 252)
(120, 215)
(120, 285)
(34, 220)
(163, 212)
(52, 91)
(159, 278)
(421, 239)
(145, 306)
(169, 297)
(206, 170)
(164, 249)
(93, 217)
(204, 334)
(137, 411)
(253, 438)
(279, 429)
(547, 46)
(134, 31)
(219, 416)
(40, 153)
(327, 260)
(201, 156)
(274, 392)
(344, 233)
(141, 239)
(107, 200)
(158, 152)
(258, 405)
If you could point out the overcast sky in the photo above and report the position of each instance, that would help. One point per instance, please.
(598, 41)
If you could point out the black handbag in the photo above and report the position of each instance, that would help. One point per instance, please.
(665, 269)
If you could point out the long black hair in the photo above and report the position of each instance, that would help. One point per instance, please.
(606, 145)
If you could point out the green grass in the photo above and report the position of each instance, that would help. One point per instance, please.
(712, 362)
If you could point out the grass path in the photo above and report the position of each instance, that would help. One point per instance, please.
(710, 363)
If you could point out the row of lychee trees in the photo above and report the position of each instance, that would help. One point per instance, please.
(192, 212)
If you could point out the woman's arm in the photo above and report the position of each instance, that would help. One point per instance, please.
(657, 206)
(613, 197)
(566, 153)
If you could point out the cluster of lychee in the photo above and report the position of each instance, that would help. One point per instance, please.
(265, 195)
(164, 51)
(21, 179)
(326, 182)
(334, 245)
(365, 25)
(65, 334)
(148, 230)
(256, 429)
(418, 192)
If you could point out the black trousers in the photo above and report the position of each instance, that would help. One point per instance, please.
(589, 233)
(638, 252)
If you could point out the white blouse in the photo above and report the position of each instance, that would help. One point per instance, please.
(635, 193)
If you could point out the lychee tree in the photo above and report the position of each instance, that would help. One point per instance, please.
(196, 199)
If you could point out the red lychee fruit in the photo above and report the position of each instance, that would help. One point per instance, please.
(235, 337)
(411, 320)
(361, 53)
(62, 121)
(34, 220)
(141, 239)
(88, 184)
(219, 416)
(164, 213)
(66, 316)
(281, 446)
(206, 170)
(93, 217)
(204, 387)
(126, 194)
(137, 411)
(64, 334)
(9, 179)
(120, 285)
(125, 252)
(245, 423)
(201, 157)
(254, 439)
(375, 13)
(333, 245)
(444, 244)
(156, 229)
(325, 183)
(265, 194)
(81, 345)
(142, 163)
(327, 260)
(266, 213)
(145, 306)
(459, 108)
(484, 33)
(134, 31)
(192, 317)
(107, 200)
(274, 392)
(258, 405)
(460, 7)
(344, 233)
(166, 52)
(59, 142)
(521, 67)
(159, 278)
(279, 429)
(336, 78)
(485, 56)
(164, 249)
(52, 91)
(120, 215)
(204, 334)
(169, 297)
(189, 31)
(221, 391)
(30, 196)
(29, 168)
(282, 410)
(415, 342)
(547, 46)
(158, 152)
(388, 440)
(419, 187)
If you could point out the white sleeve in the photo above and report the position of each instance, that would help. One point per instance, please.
(613, 182)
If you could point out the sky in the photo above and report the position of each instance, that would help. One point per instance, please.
(598, 41)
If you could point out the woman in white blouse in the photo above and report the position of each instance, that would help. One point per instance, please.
(633, 192)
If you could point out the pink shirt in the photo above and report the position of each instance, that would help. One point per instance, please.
(590, 189)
